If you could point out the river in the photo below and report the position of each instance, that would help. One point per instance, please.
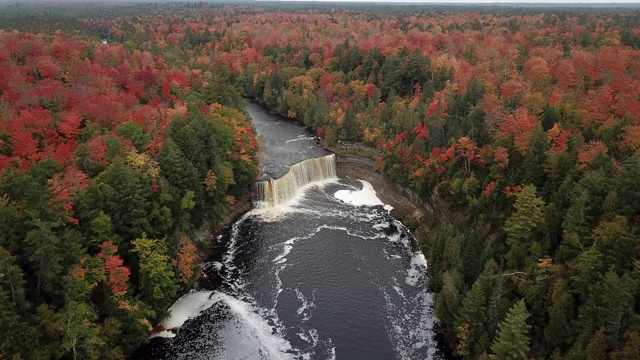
(321, 273)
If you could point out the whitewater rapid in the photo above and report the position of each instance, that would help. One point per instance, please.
(258, 326)
(317, 270)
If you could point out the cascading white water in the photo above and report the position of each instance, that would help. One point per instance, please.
(272, 193)
(334, 278)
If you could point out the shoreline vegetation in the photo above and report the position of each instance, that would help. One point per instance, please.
(103, 183)
(519, 126)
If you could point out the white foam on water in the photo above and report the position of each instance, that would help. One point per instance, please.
(380, 226)
(411, 323)
(301, 137)
(255, 326)
(307, 306)
(187, 307)
(409, 305)
(282, 258)
(249, 333)
(398, 290)
(164, 334)
(332, 353)
(287, 246)
(278, 288)
(417, 270)
(367, 196)
(311, 337)
(395, 238)
(393, 255)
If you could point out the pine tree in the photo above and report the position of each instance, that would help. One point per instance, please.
(520, 227)
(574, 227)
(130, 130)
(45, 255)
(617, 296)
(124, 195)
(556, 355)
(527, 215)
(472, 314)
(560, 313)
(16, 335)
(596, 350)
(182, 176)
(631, 348)
(436, 262)
(586, 271)
(536, 158)
(512, 341)
(448, 300)
(628, 196)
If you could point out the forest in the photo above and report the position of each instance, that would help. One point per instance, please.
(122, 134)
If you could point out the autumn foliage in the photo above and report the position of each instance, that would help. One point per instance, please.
(97, 149)
(509, 121)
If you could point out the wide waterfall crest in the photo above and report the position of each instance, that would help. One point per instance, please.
(272, 193)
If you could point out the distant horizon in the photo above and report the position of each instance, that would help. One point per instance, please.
(470, 2)
(426, 2)
(454, 2)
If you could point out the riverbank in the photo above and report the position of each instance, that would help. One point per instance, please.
(210, 235)
(353, 162)
(406, 204)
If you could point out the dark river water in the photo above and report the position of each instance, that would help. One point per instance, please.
(319, 277)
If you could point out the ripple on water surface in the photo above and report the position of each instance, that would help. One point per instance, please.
(319, 278)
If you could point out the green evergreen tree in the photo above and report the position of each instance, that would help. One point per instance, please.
(586, 271)
(536, 158)
(512, 340)
(575, 228)
(626, 185)
(16, 335)
(124, 195)
(527, 216)
(521, 226)
(472, 313)
(498, 303)
(351, 126)
(448, 300)
(597, 347)
(473, 256)
(616, 241)
(556, 355)
(617, 306)
(130, 130)
(436, 262)
(560, 314)
(44, 249)
(181, 174)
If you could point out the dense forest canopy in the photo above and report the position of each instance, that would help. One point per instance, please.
(524, 122)
(110, 160)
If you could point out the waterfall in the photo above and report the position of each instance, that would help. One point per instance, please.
(272, 193)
